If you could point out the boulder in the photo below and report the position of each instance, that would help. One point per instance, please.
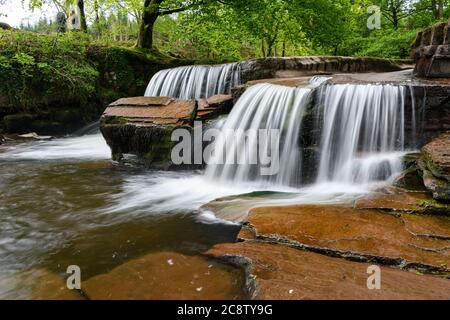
(143, 126)
(435, 166)
(431, 52)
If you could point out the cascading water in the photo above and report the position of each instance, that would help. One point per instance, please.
(263, 106)
(362, 132)
(194, 82)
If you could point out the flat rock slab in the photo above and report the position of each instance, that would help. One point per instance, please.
(392, 239)
(394, 201)
(281, 272)
(152, 109)
(167, 275)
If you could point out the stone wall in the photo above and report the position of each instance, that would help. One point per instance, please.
(431, 52)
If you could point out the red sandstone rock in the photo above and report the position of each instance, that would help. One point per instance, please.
(147, 110)
(280, 272)
(362, 232)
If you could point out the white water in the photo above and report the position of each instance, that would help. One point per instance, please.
(194, 82)
(262, 106)
(362, 133)
(89, 147)
(361, 145)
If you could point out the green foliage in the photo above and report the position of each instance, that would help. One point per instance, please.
(382, 43)
(54, 66)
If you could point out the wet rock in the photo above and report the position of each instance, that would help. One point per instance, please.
(436, 167)
(281, 272)
(363, 235)
(300, 66)
(437, 156)
(23, 137)
(167, 275)
(214, 106)
(439, 188)
(431, 52)
(18, 123)
(410, 179)
(143, 126)
(37, 284)
(393, 200)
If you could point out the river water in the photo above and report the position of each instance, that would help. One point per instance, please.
(64, 202)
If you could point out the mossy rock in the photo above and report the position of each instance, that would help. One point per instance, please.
(68, 115)
(47, 127)
(18, 123)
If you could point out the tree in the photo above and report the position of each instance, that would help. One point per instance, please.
(157, 8)
(63, 6)
(83, 24)
(438, 8)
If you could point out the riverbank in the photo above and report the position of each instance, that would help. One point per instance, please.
(55, 84)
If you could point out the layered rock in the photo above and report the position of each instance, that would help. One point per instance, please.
(280, 272)
(435, 166)
(363, 235)
(324, 252)
(289, 67)
(431, 52)
(143, 126)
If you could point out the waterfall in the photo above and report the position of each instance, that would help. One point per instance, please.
(361, 132)
(195, 82)
(263, 106)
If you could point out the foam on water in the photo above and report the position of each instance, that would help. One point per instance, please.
(88, 147)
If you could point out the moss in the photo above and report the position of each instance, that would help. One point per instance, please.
(18, 123)
(432, 206)
(52, 76)
(69, 115)
(435, 169)
(46, 127)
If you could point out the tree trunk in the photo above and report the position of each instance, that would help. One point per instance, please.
(97, 19)
(395, 20)
(83, 24)
(151, 13)
(440, 9)
(263, 48)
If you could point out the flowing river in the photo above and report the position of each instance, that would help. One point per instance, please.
(64, 202)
